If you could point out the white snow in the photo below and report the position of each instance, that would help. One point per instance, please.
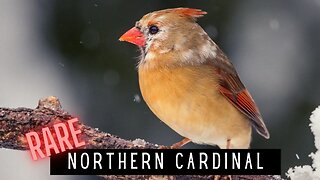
(274, 24)
(310, 172)
(136, 98)
(139, 142)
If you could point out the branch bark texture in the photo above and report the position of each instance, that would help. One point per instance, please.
(15, 123)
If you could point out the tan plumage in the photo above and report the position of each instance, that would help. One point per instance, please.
(189, 83)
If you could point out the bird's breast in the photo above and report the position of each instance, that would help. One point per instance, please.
(187, 100)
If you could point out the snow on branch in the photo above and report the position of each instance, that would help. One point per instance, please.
(15, 123)
(307, 171)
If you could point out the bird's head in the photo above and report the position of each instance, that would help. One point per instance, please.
(170, 37)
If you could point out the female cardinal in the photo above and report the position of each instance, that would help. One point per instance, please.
(189, 83)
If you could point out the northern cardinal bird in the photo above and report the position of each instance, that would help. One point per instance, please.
(190, 84)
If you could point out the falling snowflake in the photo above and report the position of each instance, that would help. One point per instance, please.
(136, 98)
(274, 24)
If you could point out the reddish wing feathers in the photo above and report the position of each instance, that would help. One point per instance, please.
(244, 102)
(233, 89)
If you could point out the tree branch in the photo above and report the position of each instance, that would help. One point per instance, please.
(15, 123)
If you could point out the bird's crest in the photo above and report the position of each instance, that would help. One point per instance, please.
(189, 12)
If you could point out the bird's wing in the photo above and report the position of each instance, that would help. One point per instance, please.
(233, 89)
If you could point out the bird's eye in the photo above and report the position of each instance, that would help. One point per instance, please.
(153, 29)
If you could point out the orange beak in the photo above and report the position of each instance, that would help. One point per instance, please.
(134, 36)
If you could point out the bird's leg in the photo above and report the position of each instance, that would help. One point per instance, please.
(229, 147)
(229, 144)
(228, 177)
(179, 144)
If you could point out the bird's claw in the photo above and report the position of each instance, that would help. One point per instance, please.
(219, 177)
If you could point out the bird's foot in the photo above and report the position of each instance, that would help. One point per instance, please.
(181, 143)
(225, 177)
(177, 145)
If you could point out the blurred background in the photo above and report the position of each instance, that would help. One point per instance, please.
(70, 49)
